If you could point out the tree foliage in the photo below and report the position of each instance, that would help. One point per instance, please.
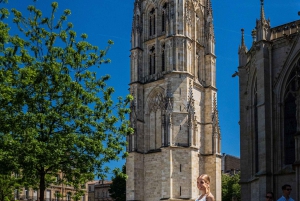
(231, 187)
(118, 187)
(8, 184)
(56, 114)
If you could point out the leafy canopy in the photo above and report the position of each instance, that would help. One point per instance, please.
(231, 187)
(8, 184)
(56, 113)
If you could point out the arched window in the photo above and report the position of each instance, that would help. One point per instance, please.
(290, 128)
(69, 196)
(163, 63)
(152, 61)
(163, 18)
(152, 22)
(291, 108)
(156, 105)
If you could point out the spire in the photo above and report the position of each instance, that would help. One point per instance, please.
(209, 17)
(262, 11)
(243, 38)
(209, 28)
(243, 47)
(216, 126)
(242, 50)
(209, 7)
(262, 25)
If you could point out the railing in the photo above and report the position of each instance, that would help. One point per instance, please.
(285, 29)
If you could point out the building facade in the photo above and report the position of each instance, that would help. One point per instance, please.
(102, 191)
(270, 110)
(55, 192)
(230, 164)
(174, 112)
(91, 190)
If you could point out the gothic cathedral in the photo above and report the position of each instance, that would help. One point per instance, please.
(270, 109)
(174, 113)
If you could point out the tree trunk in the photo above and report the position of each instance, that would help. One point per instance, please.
(42, 185)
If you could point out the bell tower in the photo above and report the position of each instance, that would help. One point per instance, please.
(174, 112)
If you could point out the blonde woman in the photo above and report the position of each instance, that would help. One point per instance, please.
(203, 182)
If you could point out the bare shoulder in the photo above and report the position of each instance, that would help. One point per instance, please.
(210, 197)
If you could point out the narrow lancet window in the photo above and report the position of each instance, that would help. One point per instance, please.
(163, 58)
(163, 18)
(152, 22)
(152, 61)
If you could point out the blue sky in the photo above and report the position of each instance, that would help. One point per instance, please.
(111, 19)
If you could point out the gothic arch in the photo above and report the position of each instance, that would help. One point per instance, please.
(290, 111)
(150, 20)
(149, 5)
(162, 2)
(156, 92)
(162, 16)
(285, 73)
(155, 117)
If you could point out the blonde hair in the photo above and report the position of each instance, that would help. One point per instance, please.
(206, 179)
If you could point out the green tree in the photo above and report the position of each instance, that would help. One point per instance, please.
(231, 187)
(56, 113)
(8, 184)
(118, 187)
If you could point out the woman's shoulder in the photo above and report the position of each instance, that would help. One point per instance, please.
(201, 197)
(210, 197)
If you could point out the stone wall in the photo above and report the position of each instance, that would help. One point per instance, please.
(230, 164)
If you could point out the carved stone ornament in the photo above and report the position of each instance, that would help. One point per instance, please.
(156, 102)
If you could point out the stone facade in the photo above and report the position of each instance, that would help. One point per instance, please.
(230, 164)
(174, 113)
(269, 110)
(55, 192)
(102, 191)
(91, 190)
(99, 190)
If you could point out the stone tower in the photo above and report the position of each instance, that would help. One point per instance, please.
(174, 113)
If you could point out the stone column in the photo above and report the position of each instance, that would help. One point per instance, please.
(196, 133)
(163, 131)
(170, 130)
(190, 127)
